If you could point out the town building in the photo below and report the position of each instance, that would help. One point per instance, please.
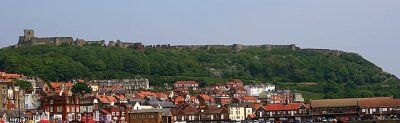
(62, 107)
(289, 112)
(342, 109)
(130, 85)
(278, 96)
(150, 116)
(239, 111)
(378, 108)
(256, 89)
(208, 114)
(246, 99)
(191, 85)
(237, 92)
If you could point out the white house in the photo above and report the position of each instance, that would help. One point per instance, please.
(256, 89)
(137, 106)
(40, 116)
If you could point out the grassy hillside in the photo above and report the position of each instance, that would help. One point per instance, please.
(348, 75)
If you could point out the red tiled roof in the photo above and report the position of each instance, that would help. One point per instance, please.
(193, 98)
(143, 94)
(103, 98)
(58, 84)
(179, 99)
(111, 98)
(205, 97)
(186, 82)
(6, 75)
(120, 97)
(252, 115)
(249, 98)
(283, 107)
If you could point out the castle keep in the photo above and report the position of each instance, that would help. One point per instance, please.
(29, 39)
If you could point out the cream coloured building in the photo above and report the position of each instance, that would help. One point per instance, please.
(239, 111)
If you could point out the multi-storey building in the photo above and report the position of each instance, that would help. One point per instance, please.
(200, 115)
(237, 92)
(290, 112)
(130, 85)
(191, 85)
(239, 111)
(256, 89)
(150, 116)
(278, 96)
(62, 107)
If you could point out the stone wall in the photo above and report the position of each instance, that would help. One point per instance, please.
(30, 39)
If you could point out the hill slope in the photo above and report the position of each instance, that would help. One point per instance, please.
(347, 75)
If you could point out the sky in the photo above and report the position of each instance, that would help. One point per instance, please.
(368, 27)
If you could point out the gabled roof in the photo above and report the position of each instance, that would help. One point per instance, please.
(103, 99)
(179, 99)
(283, 107)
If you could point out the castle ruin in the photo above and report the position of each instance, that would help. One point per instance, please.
(29, 39)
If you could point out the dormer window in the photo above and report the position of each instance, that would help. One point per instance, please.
(51, 101)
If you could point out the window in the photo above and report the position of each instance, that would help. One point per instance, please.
(143, 116)
(73, 109)
(51, 109)
(68, 109)
(77, 109)
(151, 116)
(384, 109)
(363, 110)
(117, 113)
(59, 109)
(113, 113)
(123, 113)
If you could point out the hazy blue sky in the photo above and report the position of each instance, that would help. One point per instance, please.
(368, 27)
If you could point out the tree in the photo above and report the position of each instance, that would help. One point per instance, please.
(81, 87)
(23, 84)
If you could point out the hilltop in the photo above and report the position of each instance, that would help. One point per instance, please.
(336, 75)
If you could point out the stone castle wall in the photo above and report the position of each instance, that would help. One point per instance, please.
(29, 39)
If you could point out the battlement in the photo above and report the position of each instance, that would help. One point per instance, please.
(29, 39)
(326, 51)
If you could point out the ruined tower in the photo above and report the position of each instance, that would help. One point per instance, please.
(28, 33)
